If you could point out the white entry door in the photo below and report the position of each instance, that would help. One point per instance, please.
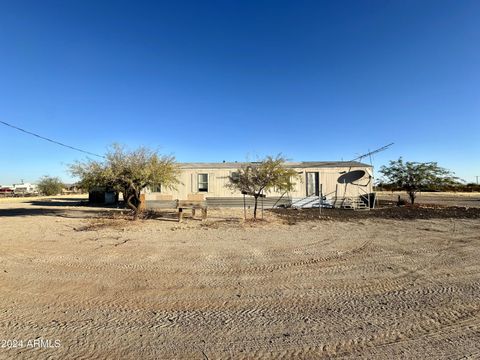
(312, 181)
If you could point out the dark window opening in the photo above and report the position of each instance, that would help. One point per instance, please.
(156, 188)
(203, 182)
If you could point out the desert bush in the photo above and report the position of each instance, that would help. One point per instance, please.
(255, 178)
(128, 172)
(49, 185)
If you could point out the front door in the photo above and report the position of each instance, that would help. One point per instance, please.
(312, 181)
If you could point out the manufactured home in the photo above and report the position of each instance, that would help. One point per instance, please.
(339, 183)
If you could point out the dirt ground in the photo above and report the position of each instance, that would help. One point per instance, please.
(437, 198)
(290, 287)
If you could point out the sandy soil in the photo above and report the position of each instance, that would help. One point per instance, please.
(110, 289)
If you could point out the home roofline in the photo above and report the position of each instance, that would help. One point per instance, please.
(292, 164)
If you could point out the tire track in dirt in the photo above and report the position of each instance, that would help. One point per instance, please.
(264, 296)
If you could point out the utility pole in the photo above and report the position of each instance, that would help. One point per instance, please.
(477, 178)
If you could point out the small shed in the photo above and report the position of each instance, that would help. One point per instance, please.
(102, 196)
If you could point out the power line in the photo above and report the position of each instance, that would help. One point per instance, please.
(50, 140)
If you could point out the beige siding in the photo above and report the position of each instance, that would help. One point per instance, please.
(218, 178)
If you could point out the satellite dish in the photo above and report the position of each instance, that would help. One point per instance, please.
(351, 176)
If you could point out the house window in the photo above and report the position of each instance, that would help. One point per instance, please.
(156, 188)
(203, 182)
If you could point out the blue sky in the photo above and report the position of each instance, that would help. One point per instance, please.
(230, 80)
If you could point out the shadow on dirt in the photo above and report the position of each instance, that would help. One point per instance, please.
(63, 207)
(59, 202)
(162, 215)
(77, 214)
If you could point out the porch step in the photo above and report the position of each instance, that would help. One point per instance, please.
(305, 203)
(353, 203)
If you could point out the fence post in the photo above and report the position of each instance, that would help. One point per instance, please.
(143, 205)
(320, 201)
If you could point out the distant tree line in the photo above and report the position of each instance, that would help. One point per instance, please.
(459, 187)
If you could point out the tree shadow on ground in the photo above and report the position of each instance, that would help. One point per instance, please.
(80, 213)
(162, 215)
(58, 202)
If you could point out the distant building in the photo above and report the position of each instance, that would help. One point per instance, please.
(25, 189)
(6, 190)
(71, 189)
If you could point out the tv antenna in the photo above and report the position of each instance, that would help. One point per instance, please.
(370, 153)
(350, 175)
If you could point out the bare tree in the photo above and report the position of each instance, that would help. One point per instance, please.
(128, 172)
(258, 177)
